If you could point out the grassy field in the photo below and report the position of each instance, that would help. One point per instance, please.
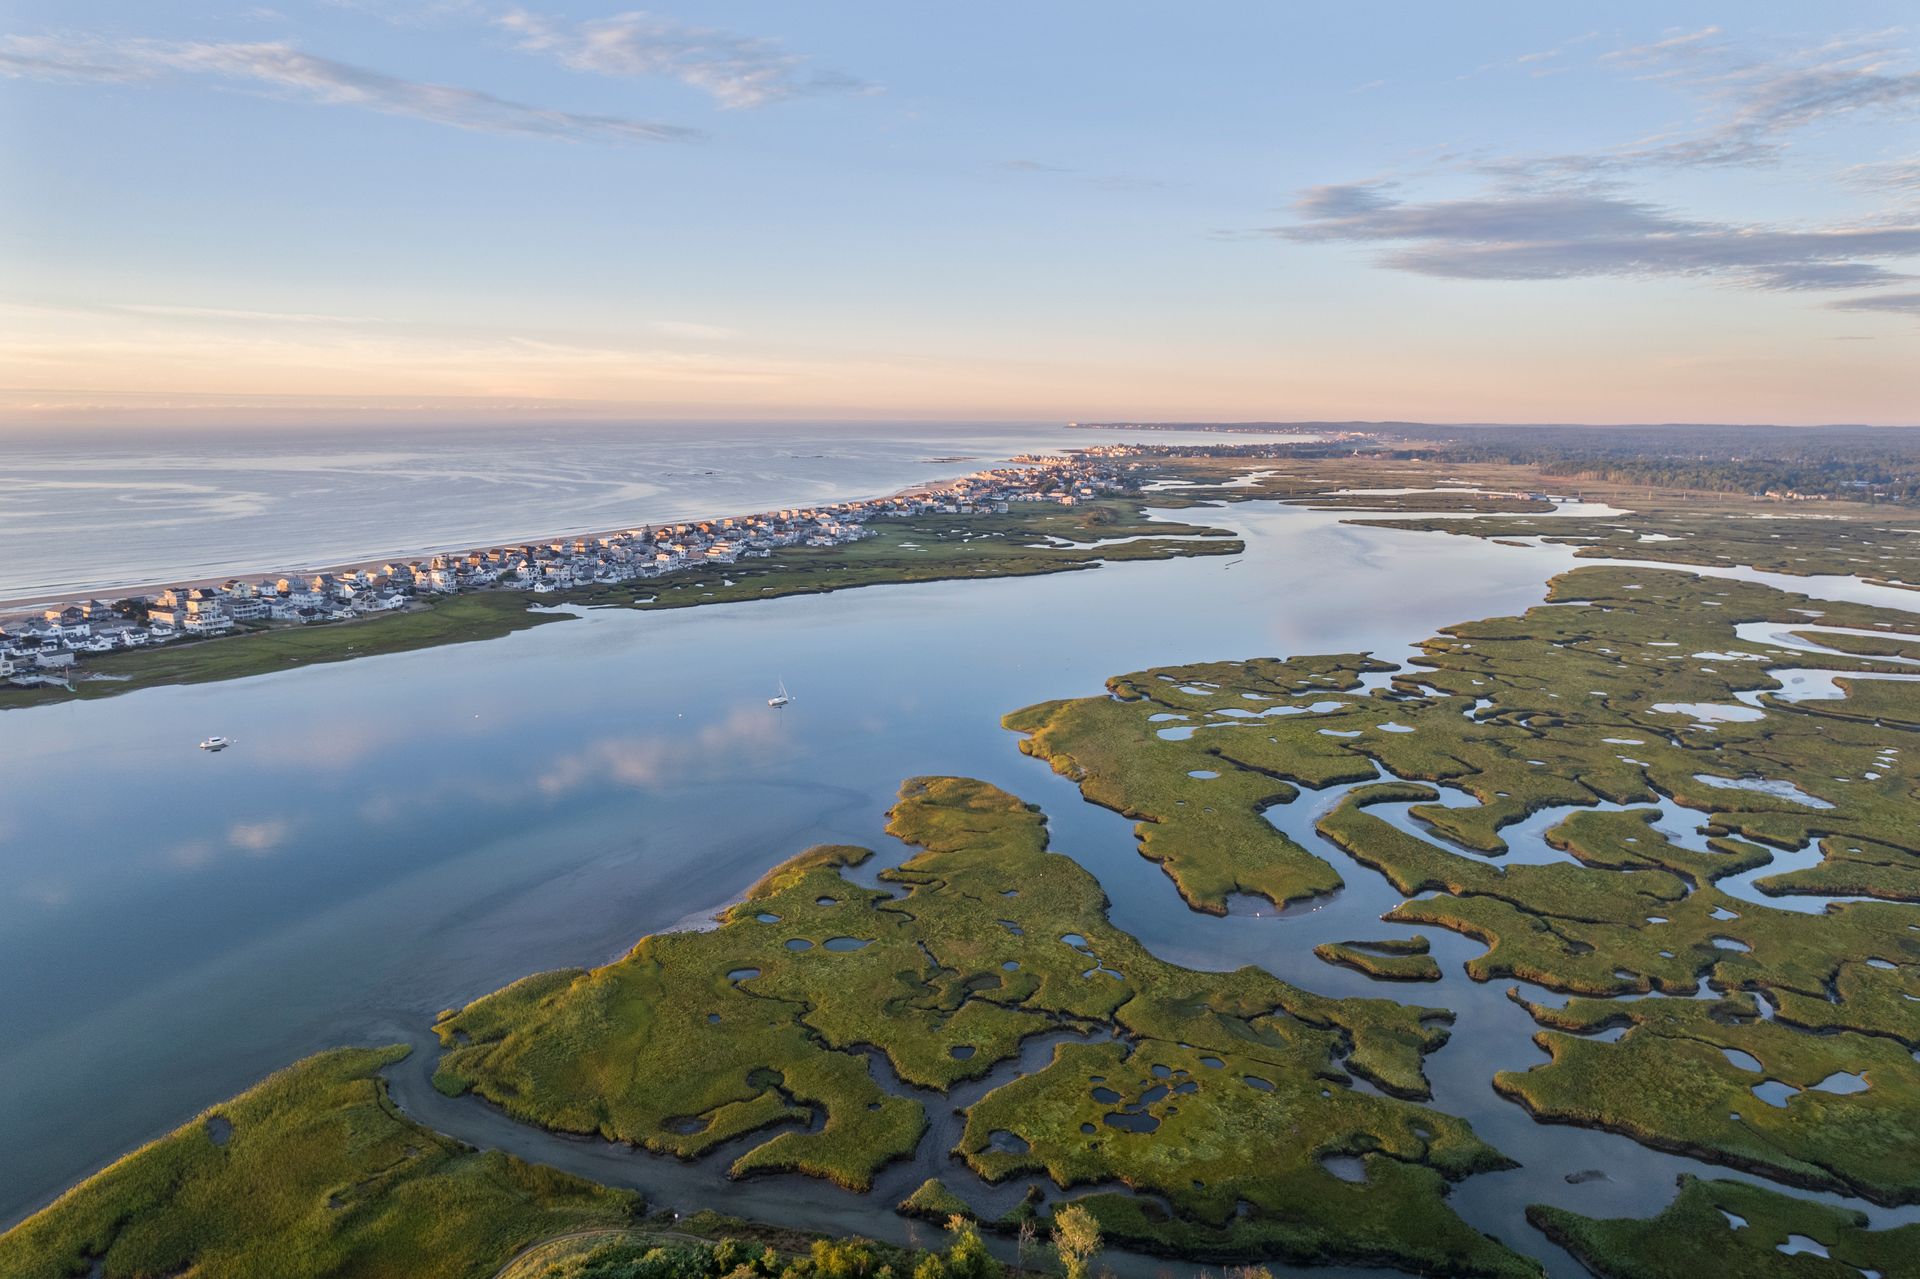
(1573, 704)
(1248, 1079)
(1873, 542)
(1238, 1149)
(1390, 959)
(1697, 1235)
(310, 1174)
(1490, 489)
(1199, 819)
(1670, 1083)
(1664, 526)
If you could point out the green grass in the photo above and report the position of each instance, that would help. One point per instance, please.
(1240, 1162)
(1558, 707)
(1872, 542)
(933, 1201)
(1667, 1083)
(1205, 831)
(1394, 959)
(994, 939)
(1692, 1237)
(318, 1176)
(1317, 482)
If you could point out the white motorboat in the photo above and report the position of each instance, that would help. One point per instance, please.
(216, 743)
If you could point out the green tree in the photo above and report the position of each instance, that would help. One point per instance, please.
(967, 1256)
(842, 1258)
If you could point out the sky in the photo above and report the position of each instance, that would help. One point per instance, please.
(341, 211)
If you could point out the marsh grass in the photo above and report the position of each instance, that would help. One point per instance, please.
(317, 1175)
(993, 940)
(1693, 1237)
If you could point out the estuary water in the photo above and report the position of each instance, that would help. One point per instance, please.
(399, 834)
(95, 511)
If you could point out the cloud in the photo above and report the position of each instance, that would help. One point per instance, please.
(692, 330)
(1554, 217)
(257, 837)
(280, 69)
(1884, 303)
(170, 311)
(409, 13)
(50, 893)
(1748, 105)
(253, 839)
(1529, 235)
(1895, 176)
(736, 71)
(64, 62)
(1536, 62)
(745, 736)
(686, 330)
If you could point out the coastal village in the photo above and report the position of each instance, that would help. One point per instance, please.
(46, 645)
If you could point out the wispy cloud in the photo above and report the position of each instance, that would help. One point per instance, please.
(1900, 177)
(1884, 303)
(687, 330)
(67, 61)
(1536, 62)
(1561, 235)
(1748, 105)
(258, 837)
(1552, 217)
(170, 311)
(736, 70)
(745, 736)
(278, 68)
(693, 330)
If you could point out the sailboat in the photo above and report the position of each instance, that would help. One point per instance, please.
(781, 698)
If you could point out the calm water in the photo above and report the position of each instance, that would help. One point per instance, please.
(399, 834)
(93, 511)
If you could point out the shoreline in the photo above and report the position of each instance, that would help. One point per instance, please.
(20, 605)
(1033, 439)
(899, 546)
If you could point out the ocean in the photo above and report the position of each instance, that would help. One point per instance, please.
(96, 512)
